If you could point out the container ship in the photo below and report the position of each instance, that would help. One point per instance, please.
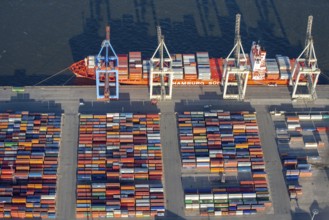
(194, 69)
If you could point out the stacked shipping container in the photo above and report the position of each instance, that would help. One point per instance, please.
(123, 66)
(189, 66)
(135, 65)
(177, 66)
(119, 166)
(29, 146)
(224, 142)
(272, 69)
(284, 66)
(295, 167)
(146, 69)
(203, 65)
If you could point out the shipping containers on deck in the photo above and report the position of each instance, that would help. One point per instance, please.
(203, 65)
(119, 166)
(284, 66)
(272, 69)
(123, 66)
(29, 146)
(177, 66)
(189, 62)
(135, 65)
(224, 142)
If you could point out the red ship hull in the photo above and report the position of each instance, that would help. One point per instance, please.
(216, 66)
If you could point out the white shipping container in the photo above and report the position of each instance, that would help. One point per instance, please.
(156, 189)
(127, 170)
(244, 164)
(186, 141)
(142, 204)
(293, 126)
(304, 117)
(48, 197)
(142, 201)
(220, 196)
(316, 117)
(249, 195)
(218, 213)
(189, 206)
(206, 196)
(142, 186)
(311, 144)
(202, 159)
(195, 206)
(202, 165)
(192, 197)
(235, 195)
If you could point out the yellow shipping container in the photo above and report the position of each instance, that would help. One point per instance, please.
(79, 201)
(38, 186)
(185, 125)
(140, 147)
(36, 161)
(86, 116)
(35, 141)
(84, 186)
(240, 146)
(127, 187)
(98, 162)
(18, 200)
(29, 214)
(29, 205)
(216, 169)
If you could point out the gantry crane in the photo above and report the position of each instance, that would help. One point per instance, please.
(306, 67)
(161, 73)
(236, 67)
(107, 70)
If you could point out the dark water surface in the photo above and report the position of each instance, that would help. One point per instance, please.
(41, 37)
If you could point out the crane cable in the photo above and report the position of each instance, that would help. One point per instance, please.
(325, 75)
(68, 80)
(51, 76)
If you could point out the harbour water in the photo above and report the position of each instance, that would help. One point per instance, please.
(40, 38)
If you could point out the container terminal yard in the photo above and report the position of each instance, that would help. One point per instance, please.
(168, 151)
(66, 101)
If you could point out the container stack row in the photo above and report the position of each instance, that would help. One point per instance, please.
(294, 128)
(146, 69)
(284, 66)
(272, 69)
(119, 166)
(215, 68)
(123, 66)
(135, 65)
(177, 66)
(295, 168)
(203, 65)
(189, 66)
(224, 142)
(295, 165)
(29, 147)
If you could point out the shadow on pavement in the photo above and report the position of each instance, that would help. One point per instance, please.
(22, 102)
(99, 107)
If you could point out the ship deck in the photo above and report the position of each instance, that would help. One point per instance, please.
(65, 101)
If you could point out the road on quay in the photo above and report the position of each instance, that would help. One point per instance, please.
(278, 189)
(174, 193)
(66, 176)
